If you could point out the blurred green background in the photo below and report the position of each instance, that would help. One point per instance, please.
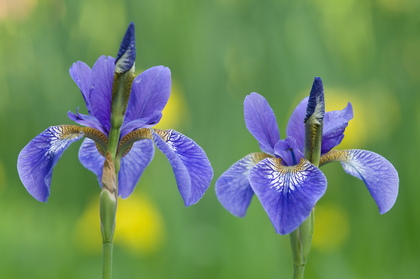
(367, 52)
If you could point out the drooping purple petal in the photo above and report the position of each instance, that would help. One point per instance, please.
(91, 158)
(261, 122)
(149, 94)
(38, 158)
(379, 175)
(127, 52)
(296, 126)
(86, 120)
(133, 164)
(287, 194)
(233, 189)
(335, 122)
(189, 162)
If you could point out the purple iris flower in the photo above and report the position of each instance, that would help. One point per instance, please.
(286, 183)
(142, 109)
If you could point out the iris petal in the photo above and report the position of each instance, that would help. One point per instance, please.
(296, 126)
(287, 194)
(379, 175)
(38, 158)
(335, 122)
(91, 158)
(133, 165)
(149, 94)
(261, 122)
(81, 74)
(96, 87)
(101, 90)
(86, 120)
(189, 162)
(233, 189)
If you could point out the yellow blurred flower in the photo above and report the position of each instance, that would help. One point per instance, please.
(331, 227)
(139, 227)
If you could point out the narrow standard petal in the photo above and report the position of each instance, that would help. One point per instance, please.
(189, 162)
(261, 122)
(133, 164)
(233, 189)
(81, 74)
(335, 123)
(149, 94)
(379, 175)
(100, 96)
(38, 158)
(296, 126)
(287, 194)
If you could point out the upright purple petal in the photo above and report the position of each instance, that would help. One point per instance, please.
(133, 164)
(38, 158)
(287, 194)
(189, 162)
(261, 122)
(379, 175)
(91, 159)
(296, 126)
(149, 94)
(100, 97)
(96, 87)
(335, 122)
(81, 74)
(233, 189)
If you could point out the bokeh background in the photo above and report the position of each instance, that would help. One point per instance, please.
(367, 52)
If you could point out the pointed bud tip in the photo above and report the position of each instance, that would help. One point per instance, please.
(316, 103)
(127, 53)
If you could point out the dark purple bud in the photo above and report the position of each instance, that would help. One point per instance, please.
(316, 103)
(127, 53)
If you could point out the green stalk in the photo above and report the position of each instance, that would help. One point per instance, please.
(301, 238)
(107, 248)
(109, 194)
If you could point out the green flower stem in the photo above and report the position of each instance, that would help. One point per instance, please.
(109, 195)
(107, 248)
(301, 238)
(108, 211)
